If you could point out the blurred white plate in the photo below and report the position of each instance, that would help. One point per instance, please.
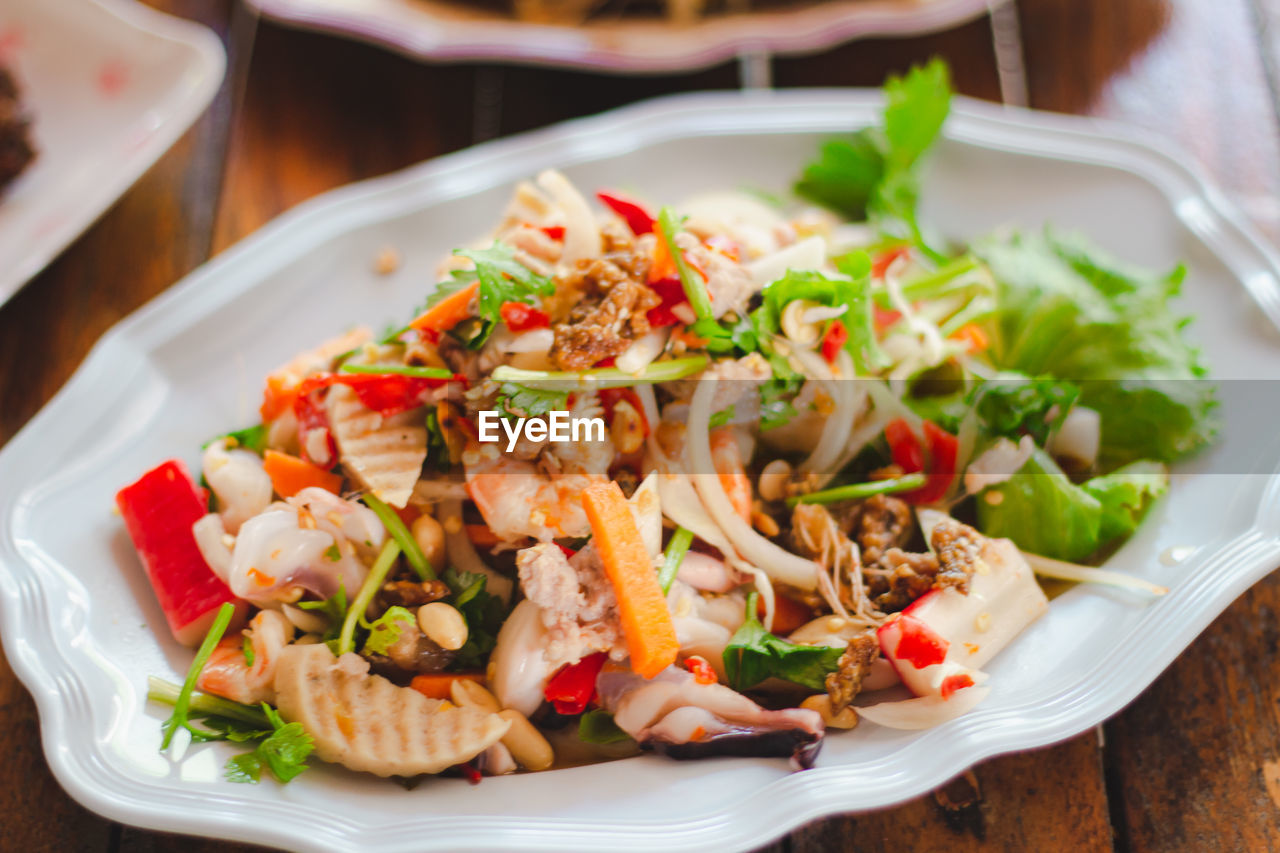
(455, 30)
(83, 631)
(110, 85)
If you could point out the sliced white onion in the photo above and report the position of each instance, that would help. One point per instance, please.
(1079, 436)
(998, 463)
(1062, 570)
(808, 254)
(534, 340)
(823, 313)
(581, 233)
(779, 564)
(924, 712)
(836, 430)
(462, 554)
(642, 351)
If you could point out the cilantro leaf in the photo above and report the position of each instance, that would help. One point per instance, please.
(853, 293)
(333, 609)
(1013, 405)
(483, 612)
(722, 417)
(524, 401)
(753, 655)
(385, 630)
(873, 174)
(502, 279)
(284, 752)
(775, 401)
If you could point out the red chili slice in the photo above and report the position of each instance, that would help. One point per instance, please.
(918, 644)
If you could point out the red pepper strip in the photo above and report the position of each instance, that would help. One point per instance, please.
(555, 232)
(520, 317)
(885, 318)
(470, 773)
(834, 340)
(566, 550)
(885, 259)
(943, 449)
(671, 292)
(386, 393)
(904, 446)
(639, 220)
(918, 644)
(611, 397)
(570, 690)
(158, 511)
(952, 683)
(702, 671)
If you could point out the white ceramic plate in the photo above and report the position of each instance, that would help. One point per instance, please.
(83, 631)
(452, 30)
(111, 85)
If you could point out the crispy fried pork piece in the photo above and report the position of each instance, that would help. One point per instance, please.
(958, 547)
(907, 577)
(882, 522)
(855, 663)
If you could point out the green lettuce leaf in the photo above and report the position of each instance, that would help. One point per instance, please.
(1126, 494)
(1069, 311)
(1042, 511)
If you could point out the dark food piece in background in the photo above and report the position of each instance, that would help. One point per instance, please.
(15, 142)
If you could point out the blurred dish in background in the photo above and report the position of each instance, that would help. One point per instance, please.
(109, 86)
(635, 36)
(16, 152)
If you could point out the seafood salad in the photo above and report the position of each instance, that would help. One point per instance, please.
(712, 478)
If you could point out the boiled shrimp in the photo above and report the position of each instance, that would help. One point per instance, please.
(229, 675)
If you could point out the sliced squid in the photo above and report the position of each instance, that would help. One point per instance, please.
(366, 723)
(384, 454)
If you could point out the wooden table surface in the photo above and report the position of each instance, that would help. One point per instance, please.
(1193, 764)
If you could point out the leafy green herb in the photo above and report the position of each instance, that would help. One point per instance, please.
(395, 527)
(182, 705)
(250, 438)
(335, 610)
(753, 655)
(597, 726)
(851, 293)
(722, 417)
(523, 401)
(284, 752)
(377, 574)
(483, 612)
(875, 173)
(858, 491)
(437, 447)
(385, 630)
(676, 549)
(775, 399)
(1013, 405)
(332, 553)
(502, 279)
(218, 714)
(602, 377)
(246, 645)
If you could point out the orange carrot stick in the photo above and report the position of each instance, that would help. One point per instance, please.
(642, 609)
(290, 475)
(436, 685)
(448, 312)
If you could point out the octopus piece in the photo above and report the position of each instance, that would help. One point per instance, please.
(676, 715)
(366, 723)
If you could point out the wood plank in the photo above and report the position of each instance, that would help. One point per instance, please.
(1194, 762)
(1049, 799)
(322, 112)
(158, 231)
